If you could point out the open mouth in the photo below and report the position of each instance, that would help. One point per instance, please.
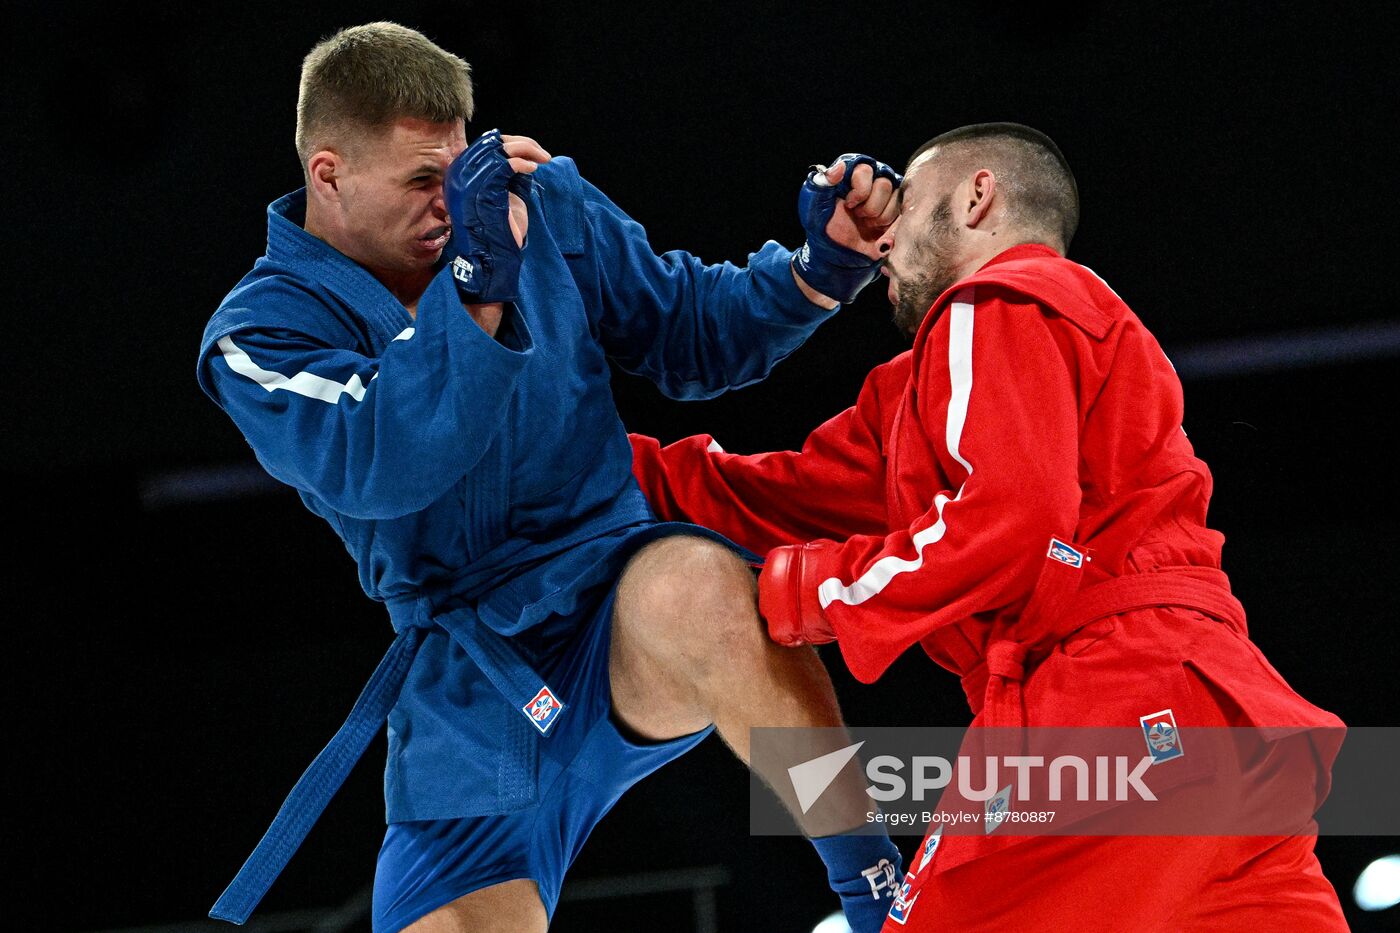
(435, 238)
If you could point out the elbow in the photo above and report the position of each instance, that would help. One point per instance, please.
(370, 504)
(380, 498)
(1020, 523)
(372, 509)
(1042, 521)
(1045, 503)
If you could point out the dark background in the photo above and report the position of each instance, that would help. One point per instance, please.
(178, 664)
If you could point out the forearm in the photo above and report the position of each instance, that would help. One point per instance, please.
(693, 481)
(832, 488)
(812, 295)
(487, 316)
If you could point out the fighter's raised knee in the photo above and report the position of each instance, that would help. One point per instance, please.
(689, 577)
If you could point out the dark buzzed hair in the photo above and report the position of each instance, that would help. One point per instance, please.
(1041, 192)
(364, 78)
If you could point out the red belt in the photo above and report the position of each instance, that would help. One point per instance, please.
(1058, 608)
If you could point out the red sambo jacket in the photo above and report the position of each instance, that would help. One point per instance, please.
(1020, 474)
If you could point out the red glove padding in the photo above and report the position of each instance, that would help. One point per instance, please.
(794, 618)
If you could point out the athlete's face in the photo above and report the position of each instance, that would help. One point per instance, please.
(391, 204)
(924, 244)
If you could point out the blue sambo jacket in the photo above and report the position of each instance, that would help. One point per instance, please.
(480, 484)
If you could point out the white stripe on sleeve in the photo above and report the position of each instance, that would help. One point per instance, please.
(303, 383)
(960, 370)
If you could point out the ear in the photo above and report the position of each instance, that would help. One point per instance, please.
(325, 171)
(982, 191)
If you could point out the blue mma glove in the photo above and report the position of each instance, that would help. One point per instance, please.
(830, 268)
(485, 259)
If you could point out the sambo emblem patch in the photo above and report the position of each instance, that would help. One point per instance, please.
(903, 903)
(1163, 739)
(543, 709)
(996, 810)
(930, 849)
(1065, 554)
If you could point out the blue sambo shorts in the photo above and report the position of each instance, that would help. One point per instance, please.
(585, 766)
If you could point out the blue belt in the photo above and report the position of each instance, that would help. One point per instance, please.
(411, 616)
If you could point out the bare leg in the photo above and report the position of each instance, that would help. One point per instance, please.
(688, 649)
(508, 907)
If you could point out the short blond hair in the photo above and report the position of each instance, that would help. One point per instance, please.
(363, 78)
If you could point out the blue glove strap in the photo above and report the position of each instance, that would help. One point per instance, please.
(485, 260)
(826, 266)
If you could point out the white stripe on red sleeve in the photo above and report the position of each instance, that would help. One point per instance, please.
(887, 568)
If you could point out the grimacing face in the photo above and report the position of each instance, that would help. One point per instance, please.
(392, 208)
(922, 260)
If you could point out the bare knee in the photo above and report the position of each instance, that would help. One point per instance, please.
(690, 593)
(685, 625)
(509, 907)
